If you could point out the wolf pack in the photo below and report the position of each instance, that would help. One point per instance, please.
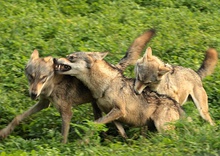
(155, 95)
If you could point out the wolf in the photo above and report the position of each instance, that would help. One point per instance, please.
(114, 93)
(65, 91)
(176, 81)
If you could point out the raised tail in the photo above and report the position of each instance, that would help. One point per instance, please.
(134, 51)
(209, 63)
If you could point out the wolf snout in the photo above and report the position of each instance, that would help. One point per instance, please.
(56, 64)
(60, 65)
(33, 95)
(55, 61)
(138, 87)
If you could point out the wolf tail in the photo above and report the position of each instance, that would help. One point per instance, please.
(134, 51)
(209, 63)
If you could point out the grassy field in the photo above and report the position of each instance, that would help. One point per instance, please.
(185, 29)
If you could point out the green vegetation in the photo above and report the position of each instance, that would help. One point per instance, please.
(185, 29)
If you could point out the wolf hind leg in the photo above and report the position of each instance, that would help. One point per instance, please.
(42, 104)
(200, 99)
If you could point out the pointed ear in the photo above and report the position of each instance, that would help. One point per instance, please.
(103, 55)
(163, 70)
(98, 55)
(34, 55)
(148, 54)
(48, 58)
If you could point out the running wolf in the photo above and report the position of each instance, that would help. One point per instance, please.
(114, 93)
(176, 81)
(64, 91)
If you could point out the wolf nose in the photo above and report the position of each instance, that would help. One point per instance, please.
(55, 61)
(33, 96)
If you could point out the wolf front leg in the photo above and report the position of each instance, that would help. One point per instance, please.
(98, 114)
(66, 114)
(114, 114)
(96, 111)
(117, 111)
(120, 129)
(43, 103)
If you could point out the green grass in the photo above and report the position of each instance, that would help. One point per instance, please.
(185, 29)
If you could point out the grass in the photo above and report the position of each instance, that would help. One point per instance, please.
(184, 31)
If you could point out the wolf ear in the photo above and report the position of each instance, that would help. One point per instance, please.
(98, 55)
(48, 58)
(163, 70)
(148, 54)
(34, 55)
(103, 55)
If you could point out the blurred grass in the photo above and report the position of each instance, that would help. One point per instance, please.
(185, 29)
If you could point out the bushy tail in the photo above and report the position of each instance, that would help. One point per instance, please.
(209, 63)
(134, 51)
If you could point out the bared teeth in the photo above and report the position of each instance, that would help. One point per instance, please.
(58, 67)
(62, 67)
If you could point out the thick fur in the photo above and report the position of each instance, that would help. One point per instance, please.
(63, 91)
(115, 95)
(177, 82)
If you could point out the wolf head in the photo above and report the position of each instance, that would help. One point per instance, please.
(77, 63)
(38, 72)
(149, 71)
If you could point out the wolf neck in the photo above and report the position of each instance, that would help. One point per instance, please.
(98, 78)
(49, 87)
(164, 80)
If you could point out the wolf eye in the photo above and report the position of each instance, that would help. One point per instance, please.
(43, 79)
(71, 58)
(30, 77)
(66, 66)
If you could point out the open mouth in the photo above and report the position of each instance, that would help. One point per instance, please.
(62, 67)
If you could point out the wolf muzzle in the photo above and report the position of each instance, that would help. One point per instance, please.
(59, 67)
(138, 87)
(33, 96)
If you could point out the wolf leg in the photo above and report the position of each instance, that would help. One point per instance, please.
(120, 129)
(96, 111)
(43, 103)
(114, 114)
(66, 114)
(200, 99)
(98, 114)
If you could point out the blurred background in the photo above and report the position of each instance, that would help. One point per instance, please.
(185, 29)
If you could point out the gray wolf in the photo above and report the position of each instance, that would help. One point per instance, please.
(64, 91)
(115, 95)
(176, 81)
